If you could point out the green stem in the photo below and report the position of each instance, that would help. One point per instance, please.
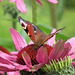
(34, 12)
(54, 15)
(14, 25)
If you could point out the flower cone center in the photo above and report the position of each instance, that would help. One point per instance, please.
(32, 52)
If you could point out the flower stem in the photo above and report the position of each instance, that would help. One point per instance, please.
(54, 15)
(14, 25)
(34, 12)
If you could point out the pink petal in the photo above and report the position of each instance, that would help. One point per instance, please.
(14, 73)
(72, 43)
(14, 53)
(4, 50)
(72, 56)
(27, 59)
(19, 41)
(61, 50)
(7, 57)
(36, 67)
(73, 63)
(31, 42)
(39, 2)
(64, 51)
(12, 0)
(23, 67)
(21, 6)
(1, 0)
(57, 50)
(53, 1)
(51, 41)
(67, 48)
(1, 72)
(7, 65)
(42, 56)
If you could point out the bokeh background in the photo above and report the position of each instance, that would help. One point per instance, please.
(65, 11)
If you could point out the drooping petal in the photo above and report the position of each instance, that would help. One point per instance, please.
(11, 68)
(21, 6)
(27, 59)
(12, 0)
(4, 50)
(8, 57)
(53, 1)
(14, 53)
(42, 56)
(56, 50)
(14, 73)
(7, 65)
(51, 41)
(36, 67)
(72, 43)
(39, 2)
(19, 41)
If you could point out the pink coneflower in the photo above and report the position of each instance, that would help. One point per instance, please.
(31, 60)
(45, 53)
(25, 59)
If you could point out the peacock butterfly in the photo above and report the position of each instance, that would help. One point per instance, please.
(36, 35)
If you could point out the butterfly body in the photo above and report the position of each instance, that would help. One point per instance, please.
(36, 35)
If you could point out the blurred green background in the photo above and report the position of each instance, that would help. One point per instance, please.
(65, 18)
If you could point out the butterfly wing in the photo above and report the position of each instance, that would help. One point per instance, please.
(39, 36)
(36, 35)
(28, 28)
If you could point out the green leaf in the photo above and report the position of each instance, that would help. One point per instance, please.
(7, 43)
(26, 37)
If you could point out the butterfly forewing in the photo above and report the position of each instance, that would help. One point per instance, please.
(28, 28)
(30, 31)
